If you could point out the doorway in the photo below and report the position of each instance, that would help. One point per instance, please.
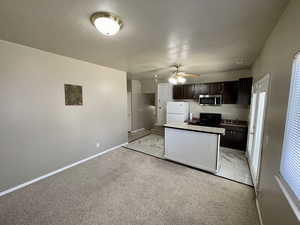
(164, 95)
(129, 114)
(256, 128)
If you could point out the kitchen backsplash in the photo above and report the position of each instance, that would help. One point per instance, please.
(228, 111)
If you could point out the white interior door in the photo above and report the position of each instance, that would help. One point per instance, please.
(253, 114)
(164, 95)
(258, 134)
(255, 135)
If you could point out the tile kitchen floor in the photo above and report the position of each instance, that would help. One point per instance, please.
(132, 136)
(152, 144)
(234, 166)
(233, 163)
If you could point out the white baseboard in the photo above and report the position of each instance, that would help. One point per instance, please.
(259, 212)
(134, 131)
(59, 170)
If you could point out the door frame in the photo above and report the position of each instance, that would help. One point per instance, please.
(251, 113)
(260, 82)
(170, 86)
(129, 110)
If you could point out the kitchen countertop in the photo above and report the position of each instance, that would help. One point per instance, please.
(234, 125)
(227, 123)
(186, 126)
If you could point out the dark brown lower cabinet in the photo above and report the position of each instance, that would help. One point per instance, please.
(235, 137)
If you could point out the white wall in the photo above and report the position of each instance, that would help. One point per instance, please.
(228, 111)
(276, 59)
(148, 86)
(38, 133)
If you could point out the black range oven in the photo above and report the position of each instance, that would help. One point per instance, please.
(210, 119)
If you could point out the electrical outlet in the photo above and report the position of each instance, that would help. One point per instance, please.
(98, 145)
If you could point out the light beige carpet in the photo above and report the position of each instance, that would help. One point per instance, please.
(125, 187)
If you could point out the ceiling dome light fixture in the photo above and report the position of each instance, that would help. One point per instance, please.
(107, 23)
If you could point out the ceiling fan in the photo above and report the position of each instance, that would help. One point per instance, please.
(179, 77)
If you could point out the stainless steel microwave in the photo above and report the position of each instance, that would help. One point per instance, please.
(213, 100)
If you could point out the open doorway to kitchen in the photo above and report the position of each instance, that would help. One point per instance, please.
(256, 128)
(150, 141)
(164, 95)
(141, 108)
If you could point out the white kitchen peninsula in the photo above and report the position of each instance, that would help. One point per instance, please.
(193, 145)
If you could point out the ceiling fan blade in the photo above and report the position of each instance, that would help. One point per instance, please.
(191, 75)
(152, 72)
(157, 70)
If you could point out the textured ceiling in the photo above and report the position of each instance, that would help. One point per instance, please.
(203, 35)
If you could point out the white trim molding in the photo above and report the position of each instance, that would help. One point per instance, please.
(259, 212)
(60, 170)
(137, 130)
(290, 196)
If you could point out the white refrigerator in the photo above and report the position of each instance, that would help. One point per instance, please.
(177, 112)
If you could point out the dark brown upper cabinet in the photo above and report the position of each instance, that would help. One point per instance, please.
(215, 88)
(178, 91)
(244, 91)
(230, 92)
(185, 91)
(188, 91)
(200, 89)
(233, 92)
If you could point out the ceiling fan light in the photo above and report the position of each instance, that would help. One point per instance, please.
(172, 80)
(181, 80)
